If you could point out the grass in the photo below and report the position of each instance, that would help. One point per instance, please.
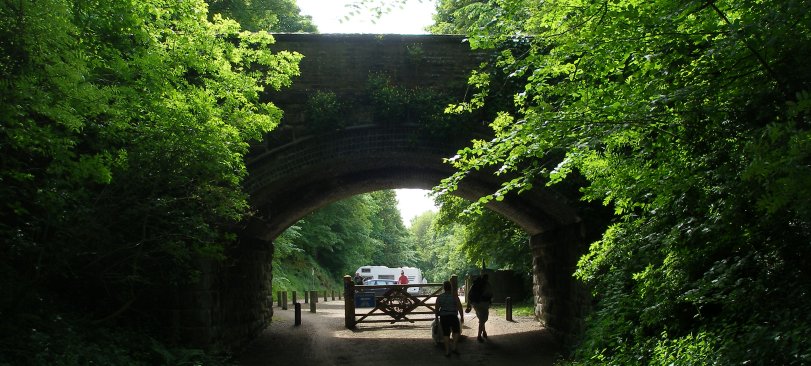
(520, 308)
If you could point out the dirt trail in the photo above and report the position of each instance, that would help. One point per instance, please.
(321, 339)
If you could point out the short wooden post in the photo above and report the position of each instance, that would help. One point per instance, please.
(295, 300)
(349, 302)
(306, 296)
(325, 296)
(297, 316)
(468, 282)
(314, 297)
(284, 300)
(279, 297)
(333, 295)
(508, 304)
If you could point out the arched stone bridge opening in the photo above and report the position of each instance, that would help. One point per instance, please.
(347, 131)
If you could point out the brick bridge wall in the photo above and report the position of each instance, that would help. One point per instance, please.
(298, 168)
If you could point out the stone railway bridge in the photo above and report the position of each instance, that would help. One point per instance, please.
(347, 131)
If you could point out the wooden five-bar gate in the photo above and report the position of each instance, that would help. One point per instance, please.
(396, 304)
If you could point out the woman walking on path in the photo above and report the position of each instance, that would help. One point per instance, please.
(447, 306)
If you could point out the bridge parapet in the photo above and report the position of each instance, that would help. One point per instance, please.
(343, 76)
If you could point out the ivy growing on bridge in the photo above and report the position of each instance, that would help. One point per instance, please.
(389, 104)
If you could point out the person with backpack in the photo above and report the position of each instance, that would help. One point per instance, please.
(479, 298)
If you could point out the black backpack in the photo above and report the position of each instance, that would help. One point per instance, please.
(475, 294)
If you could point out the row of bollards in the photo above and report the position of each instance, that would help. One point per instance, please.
(308, 296)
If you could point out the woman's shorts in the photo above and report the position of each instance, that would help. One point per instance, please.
(449, 323)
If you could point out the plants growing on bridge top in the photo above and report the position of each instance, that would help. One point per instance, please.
(393, 103)
(325, 113)
(389, 104)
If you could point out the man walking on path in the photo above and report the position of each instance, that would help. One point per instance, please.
(480, 297)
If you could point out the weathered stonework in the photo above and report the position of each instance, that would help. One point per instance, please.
(561, 301)
(297, 169)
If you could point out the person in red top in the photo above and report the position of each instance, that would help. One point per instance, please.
(403, 279)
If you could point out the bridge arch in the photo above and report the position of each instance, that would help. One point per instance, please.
(297, 169)
(288, 183)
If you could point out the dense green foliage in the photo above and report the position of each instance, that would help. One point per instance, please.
(338, 238)
(488, 239)
(452, 243)
(124, 126)
(263, 15)
(389, 103)
(367, 230)
(439, 248)
(691, 119)
(458, 16)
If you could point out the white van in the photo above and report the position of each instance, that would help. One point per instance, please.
(385, 273)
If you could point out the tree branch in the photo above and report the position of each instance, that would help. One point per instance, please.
(751, 49)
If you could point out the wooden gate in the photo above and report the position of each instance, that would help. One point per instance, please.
(395, 305)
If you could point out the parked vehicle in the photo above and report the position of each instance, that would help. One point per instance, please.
(386, 273)
(379, 291)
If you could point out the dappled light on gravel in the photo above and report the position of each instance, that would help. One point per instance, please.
(322, 339)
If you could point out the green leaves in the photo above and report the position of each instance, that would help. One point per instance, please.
(690, 120)
(263, 15)
(361, 230)
(124, 126)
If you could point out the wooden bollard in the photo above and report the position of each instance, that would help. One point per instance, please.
(294, 297)
(314, 297)
(333, 295)
(279, 297)
(508, 304)
(349, 302)
(325, 295)
(284, 300)
(306, 296)
(297, 316)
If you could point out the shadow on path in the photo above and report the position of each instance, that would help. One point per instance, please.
(321, 339)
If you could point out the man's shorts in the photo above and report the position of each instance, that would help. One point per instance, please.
(482, 310)
(449, 322)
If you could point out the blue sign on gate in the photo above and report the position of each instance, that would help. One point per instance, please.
(365, 299)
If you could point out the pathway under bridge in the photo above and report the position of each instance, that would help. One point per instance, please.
(344, 133)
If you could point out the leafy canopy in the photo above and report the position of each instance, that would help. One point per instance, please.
(361, 230)
(691, 119)
(124, 126)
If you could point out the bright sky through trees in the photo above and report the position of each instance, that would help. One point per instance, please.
(329, 17)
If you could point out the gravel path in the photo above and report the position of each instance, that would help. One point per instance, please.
(321, 339)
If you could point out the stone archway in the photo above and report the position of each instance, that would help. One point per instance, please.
(298, 169)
